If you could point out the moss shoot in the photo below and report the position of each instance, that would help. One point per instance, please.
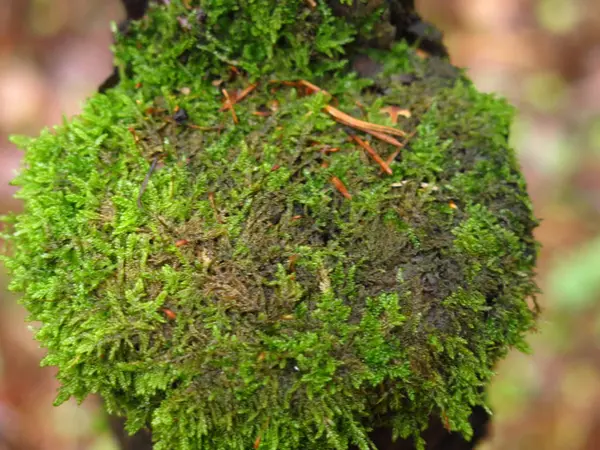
(241, 273)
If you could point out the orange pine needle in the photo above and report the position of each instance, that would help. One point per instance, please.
(246, 92)
(390, 159)
(238, 98)
(337, 183)
(170, 314)
(292, 262)
(374, 154)
(134, 134)
(312, 87)
(385, 138)
(181, 242)
(361, 124)
(229, 105)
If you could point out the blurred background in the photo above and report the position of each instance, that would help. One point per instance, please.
(543, 55)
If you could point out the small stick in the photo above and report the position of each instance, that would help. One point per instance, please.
(242, 95)
(345, 118)
(292, 263)
(313, 87)
(238, 98)
(145, 182)
(230, 106)
(307, 84)
(385, 138)
(134, 134)
(337, 183)
(360, 124)
(390, 159)
(373, 153)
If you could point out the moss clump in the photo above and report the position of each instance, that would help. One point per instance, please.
(231, 296)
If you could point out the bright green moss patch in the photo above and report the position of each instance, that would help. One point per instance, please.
(208, 279)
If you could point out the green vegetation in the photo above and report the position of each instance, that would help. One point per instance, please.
(230, 295)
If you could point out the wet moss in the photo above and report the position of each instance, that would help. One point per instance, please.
(207, 278)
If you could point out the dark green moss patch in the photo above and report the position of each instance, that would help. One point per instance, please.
(232, 294)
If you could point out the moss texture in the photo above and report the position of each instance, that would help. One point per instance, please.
(209, 280)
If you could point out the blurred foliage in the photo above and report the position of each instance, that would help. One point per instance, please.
(544, 55)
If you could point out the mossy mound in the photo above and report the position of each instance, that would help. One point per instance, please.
(235, 282)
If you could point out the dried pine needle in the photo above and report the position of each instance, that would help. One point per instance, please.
(364, 144)
(361, 124)
(337, 183)
(232, 100)
(229, 104)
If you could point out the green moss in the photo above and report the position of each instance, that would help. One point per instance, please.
(232, 293)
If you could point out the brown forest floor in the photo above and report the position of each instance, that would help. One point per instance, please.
(544, 55)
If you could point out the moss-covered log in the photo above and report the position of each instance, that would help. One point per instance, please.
(284, 228)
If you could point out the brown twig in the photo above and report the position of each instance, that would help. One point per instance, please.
(292, 263)
(364, 144)
(337, 183)
(230, 105)
(238, 97)
(361, 124)
(313, 87)
(134, 134)
(385, 138)
(390, 159)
